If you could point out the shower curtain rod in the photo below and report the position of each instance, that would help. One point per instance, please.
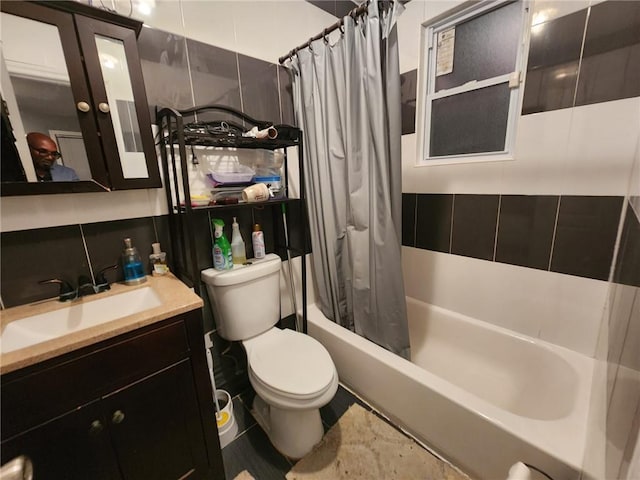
(359, 10)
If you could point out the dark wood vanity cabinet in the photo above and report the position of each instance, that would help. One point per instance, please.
(92, 92)
(137, 406)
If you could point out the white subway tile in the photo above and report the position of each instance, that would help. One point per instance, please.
(210, 22)
(540, 154)
(574, 312)
(602, 146)
(37, 211)
(409, 34)
(561, 309)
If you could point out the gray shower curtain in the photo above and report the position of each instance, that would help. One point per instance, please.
(347, 102)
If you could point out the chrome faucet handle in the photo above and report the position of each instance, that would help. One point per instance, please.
(102, 283)
(67, 292)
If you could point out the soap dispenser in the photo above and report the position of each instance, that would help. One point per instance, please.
(132, 264)
(158, 261)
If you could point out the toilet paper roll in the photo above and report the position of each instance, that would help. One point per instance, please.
(256, 193)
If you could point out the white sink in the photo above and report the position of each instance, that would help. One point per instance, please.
(46, 326)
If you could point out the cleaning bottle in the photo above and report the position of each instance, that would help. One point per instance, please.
(257, 239)
(222, 259)
(132, 264)
(238, 252)
(158, 261)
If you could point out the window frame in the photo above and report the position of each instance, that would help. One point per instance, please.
(427, 80)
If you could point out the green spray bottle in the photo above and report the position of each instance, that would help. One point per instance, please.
(222, 259)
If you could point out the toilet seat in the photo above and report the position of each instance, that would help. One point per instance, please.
(290, 364)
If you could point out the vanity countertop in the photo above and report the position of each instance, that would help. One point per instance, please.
(176, 298)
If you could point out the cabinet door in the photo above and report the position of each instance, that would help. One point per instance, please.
(155, 426)
(115, 74)
(45, 87)
(74, 446)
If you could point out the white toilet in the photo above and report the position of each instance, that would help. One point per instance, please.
(292, 373)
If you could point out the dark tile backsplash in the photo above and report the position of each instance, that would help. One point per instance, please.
(552, 68)
(105, 242)
(260, 87)
(287, 116)
(525, 230)
(585, 236)
(474, 225)
(59, 252)
(628, 262)
(409, 219)
(610, 68)
(408, 94)
(214, 73)
(338, 8)
(569, 234)
(163, 57)
(31, 256)
(603, 41)
(433, 222)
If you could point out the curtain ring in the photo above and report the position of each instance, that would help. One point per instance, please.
(310, 47)
(324, 36)
(341, 27)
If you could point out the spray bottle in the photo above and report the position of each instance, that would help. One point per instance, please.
(238, 251)
(222, 259)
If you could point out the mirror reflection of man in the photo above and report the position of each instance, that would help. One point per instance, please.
(44, 153)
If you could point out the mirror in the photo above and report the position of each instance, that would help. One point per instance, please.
(117, 81)
(38, 106)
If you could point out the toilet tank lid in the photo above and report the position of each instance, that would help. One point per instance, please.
(255, 268)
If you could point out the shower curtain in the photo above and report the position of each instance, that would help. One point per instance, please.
(347, 102)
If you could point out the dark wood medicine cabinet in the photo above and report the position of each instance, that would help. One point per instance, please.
(73, 72)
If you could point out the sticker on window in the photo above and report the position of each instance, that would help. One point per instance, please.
(444, 51)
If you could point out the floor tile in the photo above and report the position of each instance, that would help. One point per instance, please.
(242, 415)
(252, 451)
(343, 399)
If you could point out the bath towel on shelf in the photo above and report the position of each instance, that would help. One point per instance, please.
(363, 446)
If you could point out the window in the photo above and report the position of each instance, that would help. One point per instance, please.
(471, 87)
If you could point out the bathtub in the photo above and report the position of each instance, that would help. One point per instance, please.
(480, 396)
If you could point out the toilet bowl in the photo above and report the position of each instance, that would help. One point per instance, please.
(292, 374)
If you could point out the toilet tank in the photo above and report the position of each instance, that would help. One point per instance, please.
(246, 299)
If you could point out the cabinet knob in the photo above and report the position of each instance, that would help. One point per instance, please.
(83, 107)
(118, 417)
(96, 427)
(104, 107)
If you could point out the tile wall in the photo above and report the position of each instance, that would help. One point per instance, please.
(66, 252)
(192, 53)
(557, 205)
(563, 215)
(575, 235)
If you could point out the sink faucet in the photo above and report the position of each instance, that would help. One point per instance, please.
(102, 284)
(85, 285)
(67, 292)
